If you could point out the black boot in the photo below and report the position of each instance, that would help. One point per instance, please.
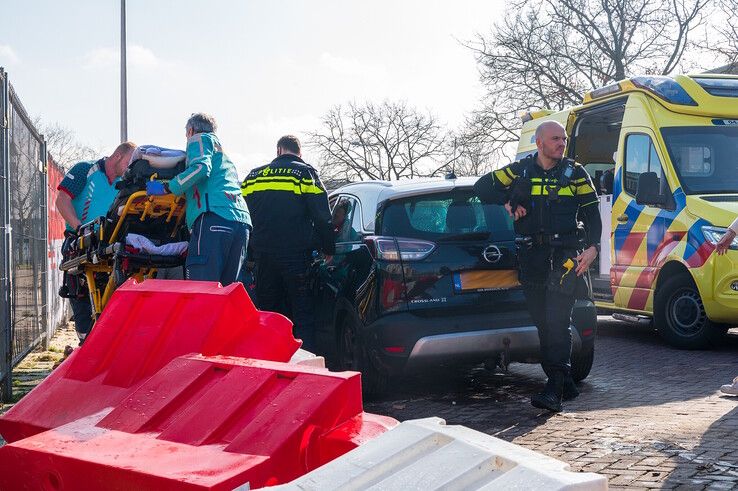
(570, 389)
(551, 396)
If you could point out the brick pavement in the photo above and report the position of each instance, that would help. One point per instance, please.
(649, 416)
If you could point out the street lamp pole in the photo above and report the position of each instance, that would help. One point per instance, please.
(123, 81)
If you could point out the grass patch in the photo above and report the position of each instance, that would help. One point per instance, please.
(47, 357)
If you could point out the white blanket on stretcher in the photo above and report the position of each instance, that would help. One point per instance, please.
(145, 245)
(158, 157)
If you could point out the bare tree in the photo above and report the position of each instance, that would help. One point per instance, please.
(468, 155)
(386, 141)
(63, 145)
(722, 38)
(547, 53)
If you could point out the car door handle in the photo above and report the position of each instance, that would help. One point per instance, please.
(622, 218)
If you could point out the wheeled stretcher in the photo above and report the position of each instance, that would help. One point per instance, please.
(97, 259)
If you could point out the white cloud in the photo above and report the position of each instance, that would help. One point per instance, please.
(138, 56)
(7, 54)
(101, 58)
(352, 67)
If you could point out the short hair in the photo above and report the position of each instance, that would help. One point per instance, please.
(124, 148)
(201, 123)
(289, 143)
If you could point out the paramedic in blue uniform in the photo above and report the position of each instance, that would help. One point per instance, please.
(289, 206)
(216, 214)
(86, 193)
(548, 195)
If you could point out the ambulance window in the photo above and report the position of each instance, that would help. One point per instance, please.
(640, 157)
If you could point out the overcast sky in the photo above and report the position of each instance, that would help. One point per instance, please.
(262, 68)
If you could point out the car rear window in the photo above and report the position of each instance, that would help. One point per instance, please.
(442, 215)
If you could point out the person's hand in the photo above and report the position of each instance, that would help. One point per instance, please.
(156, 188)
(585, 259)
(724, 242)
(519, 212)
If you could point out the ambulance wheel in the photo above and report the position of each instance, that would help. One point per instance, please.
(680, 317)
(352, 356)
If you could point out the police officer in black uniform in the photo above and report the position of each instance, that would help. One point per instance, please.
(548, 196)
(291, 219)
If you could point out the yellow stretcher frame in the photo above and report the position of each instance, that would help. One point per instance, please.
(138, 204)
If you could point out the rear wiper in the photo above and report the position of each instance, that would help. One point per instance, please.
(464, 236)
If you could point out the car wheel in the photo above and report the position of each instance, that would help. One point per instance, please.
(581, 362)
(680, 317)
(351, 355)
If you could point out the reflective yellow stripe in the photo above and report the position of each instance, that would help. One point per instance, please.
(281, 183)
(539, 190)
(590, 203)
(276, 178)
(503, 177)
(270, 186)
(579, 181)
(584, 189)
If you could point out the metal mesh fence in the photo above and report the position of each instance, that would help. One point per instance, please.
(5, 291)
(28, 222)
(24, 251)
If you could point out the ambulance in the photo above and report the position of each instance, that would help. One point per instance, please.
(663, 153)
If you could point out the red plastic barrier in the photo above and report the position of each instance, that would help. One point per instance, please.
(202, 423)
(144, 327)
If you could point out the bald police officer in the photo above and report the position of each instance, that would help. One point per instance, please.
(548, 195)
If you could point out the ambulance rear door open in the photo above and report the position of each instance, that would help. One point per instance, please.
(594, 144)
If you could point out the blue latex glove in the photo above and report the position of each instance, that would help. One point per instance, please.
(156, 188)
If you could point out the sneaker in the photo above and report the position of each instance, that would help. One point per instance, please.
(730, 389)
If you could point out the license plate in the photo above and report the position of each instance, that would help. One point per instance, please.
(479, 281)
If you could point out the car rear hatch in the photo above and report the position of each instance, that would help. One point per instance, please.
(457, 254)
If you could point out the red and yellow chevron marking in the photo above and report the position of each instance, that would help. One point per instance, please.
(642, 245)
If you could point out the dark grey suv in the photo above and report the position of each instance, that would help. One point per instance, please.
(424, 273)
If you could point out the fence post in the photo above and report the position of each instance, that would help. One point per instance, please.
(6, 338)
(45, 300)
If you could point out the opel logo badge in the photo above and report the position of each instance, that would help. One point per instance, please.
(492, 254)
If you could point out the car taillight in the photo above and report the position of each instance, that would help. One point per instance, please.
(396, 249)
(394, 349)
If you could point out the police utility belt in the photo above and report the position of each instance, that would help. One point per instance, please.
(569, 241)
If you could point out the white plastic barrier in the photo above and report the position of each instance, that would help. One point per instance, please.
(306, 358)
(425, 454)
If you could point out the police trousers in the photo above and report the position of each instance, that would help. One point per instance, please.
(283, 285)
(548, 276)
